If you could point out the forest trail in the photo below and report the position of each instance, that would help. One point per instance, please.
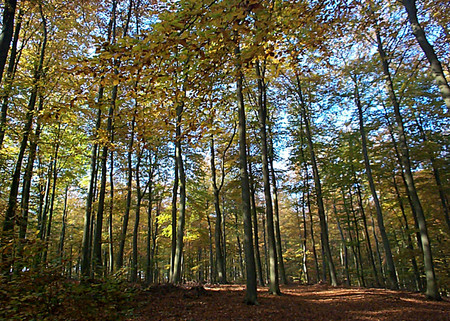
(315, 302)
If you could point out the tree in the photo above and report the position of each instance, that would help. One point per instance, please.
(432, 287)
(9, 222)
(7, 32)
(251, 293)
(435, 64)
(387, 248)
(317, 186)
(262, 112)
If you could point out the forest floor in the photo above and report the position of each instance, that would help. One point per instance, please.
(55, 298)
(297, 302)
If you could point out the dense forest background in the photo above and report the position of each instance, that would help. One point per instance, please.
(227, 141)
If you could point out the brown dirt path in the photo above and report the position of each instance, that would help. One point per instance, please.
(316, 302)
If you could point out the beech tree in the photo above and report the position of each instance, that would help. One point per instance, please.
(225, 141)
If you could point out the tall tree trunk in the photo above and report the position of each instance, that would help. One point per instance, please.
(402, 173)
(26, 190)
(306, 191)
(43, 221)
(239, 246)
(9, 221)
(140, 195)
(377, 247)
(154, 252)
(410, 246)
(358, 242)
(7, 32)
(318, 188)
(9, 78)
(52, 198)
(87, 229)
(62, 237)
(304, 249)
(97, 240)
(432, 290)
(392, 276)
(220, 263)
(259, 269)
(313, 240)
(211, 255)
(174, 218)
(347, 221)
(224, 231)
(274, 287)
(266, 255)
(344, 245)
(27, 177)
(435, 65)
(148, 267)
(111, 208)
(251, 293)
(276, 205)
(437, 176)
(182, 181)
(126, 216)
(366, 233)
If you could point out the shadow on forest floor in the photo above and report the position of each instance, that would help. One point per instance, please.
(298, 302)
(52, 297)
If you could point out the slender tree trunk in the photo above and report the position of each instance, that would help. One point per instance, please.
(437, 177)
(111, 209)
(140, 195)
(318, 188)
(148, 267)
(435, 65)
(266, 256)
(224, 232)
(9, 78)
(7, 32)
(62, 237)
(43, 222)
(126, 215)
(182, 181)
(308, 204)
(355, 254)
(276, 206)
(274, 287)
(97, 246)
(313, 240)
(27, 177)
(419, 285)
(402, 172)
(174, 218)
(432, 290)
(366, 232)
(251, 293)
(52, 198)
(259, 269)
(377, 247)
(358, 242)
(220, 263)
(154, 252)
(211, 255)
(26, 189)
(392, 276)
(344, 245)
(87, 230)
(304, 249)
(239, 247)
(9, 221)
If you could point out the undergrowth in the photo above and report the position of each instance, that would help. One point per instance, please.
(49, 296)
